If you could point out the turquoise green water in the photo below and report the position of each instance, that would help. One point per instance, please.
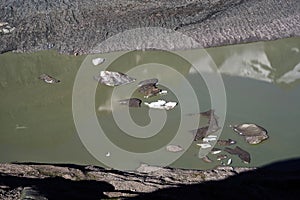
(261, 81)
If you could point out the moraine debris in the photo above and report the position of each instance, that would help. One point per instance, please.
(5, 28)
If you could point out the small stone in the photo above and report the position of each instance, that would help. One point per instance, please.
(3, 24)
(5, 31)
(11, 29)
(206, 159)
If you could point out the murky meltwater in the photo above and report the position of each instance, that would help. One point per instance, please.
(261, 82)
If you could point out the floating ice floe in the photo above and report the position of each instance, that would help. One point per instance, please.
(295, 49)
(229, 161)
(161, 104)
(20, 127)
(221, 157)
(98, 61)
(290, 76)
(212, 136)
(174, 148)
(209, 139)
(113, 78)
(48, 79)
(204, 145)
(163, 92)
(215, 151)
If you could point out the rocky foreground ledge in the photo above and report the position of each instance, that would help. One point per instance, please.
(62, 181)
(44, 181)
(77, 27)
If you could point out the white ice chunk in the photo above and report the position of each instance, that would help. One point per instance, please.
(98, 61)
(204, 145)
(209, 139)
(161, 104)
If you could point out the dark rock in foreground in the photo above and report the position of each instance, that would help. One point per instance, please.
(78, 27)
(89, 182)
(41, 181)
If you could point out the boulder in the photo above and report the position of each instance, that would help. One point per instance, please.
(241, 153)
(113, 78)
(132, 102)
(149, 87)
(254, 134)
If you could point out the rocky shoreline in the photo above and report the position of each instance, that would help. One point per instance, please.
(116, 184)
(65, 181)
(77, 27)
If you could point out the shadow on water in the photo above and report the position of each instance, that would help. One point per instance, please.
(279, 180)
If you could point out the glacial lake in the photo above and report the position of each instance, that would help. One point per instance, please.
(260, 83)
